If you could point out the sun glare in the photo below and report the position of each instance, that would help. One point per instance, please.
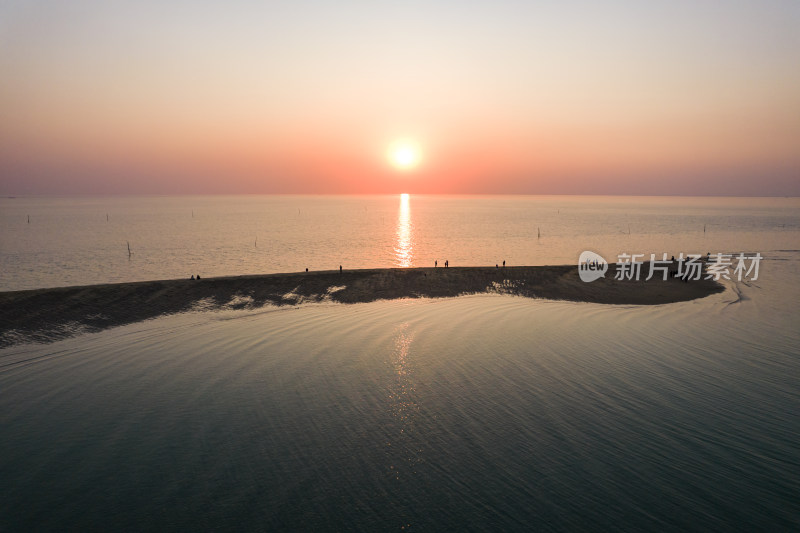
(404, 155)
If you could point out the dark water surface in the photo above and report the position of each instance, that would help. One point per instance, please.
(474, 413)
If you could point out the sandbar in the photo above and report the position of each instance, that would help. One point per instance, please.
(46, 315)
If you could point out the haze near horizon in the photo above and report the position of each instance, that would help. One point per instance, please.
(661, 98)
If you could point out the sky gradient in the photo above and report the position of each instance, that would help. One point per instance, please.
(619, 97)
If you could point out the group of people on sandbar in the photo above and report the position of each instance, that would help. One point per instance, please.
(446, 263)
(198, 276)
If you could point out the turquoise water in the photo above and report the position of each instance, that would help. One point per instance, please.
(473, 413)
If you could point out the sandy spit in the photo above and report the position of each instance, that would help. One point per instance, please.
(45, 315)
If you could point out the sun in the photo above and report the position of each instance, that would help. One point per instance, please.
(404, 155)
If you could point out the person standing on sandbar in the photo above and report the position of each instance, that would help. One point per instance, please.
(340, 269)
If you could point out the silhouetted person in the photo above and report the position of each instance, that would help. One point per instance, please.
(198, 276)
(446, 263)
(496, 265)
(435, 264)
(306, 269)
(340, 269)
(504, 263)
(192, 276)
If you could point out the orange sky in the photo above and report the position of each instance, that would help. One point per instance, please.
(501, 97)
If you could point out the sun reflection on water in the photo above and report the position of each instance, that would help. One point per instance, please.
(404, 246)
(403, 447)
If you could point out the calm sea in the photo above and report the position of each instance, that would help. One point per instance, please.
(475, 413)
(79, 241)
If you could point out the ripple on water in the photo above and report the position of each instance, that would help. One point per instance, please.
(480, 412)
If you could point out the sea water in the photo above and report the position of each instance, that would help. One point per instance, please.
(476, 413)
(82, 241)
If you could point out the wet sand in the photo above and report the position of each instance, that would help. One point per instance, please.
(45, 315)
